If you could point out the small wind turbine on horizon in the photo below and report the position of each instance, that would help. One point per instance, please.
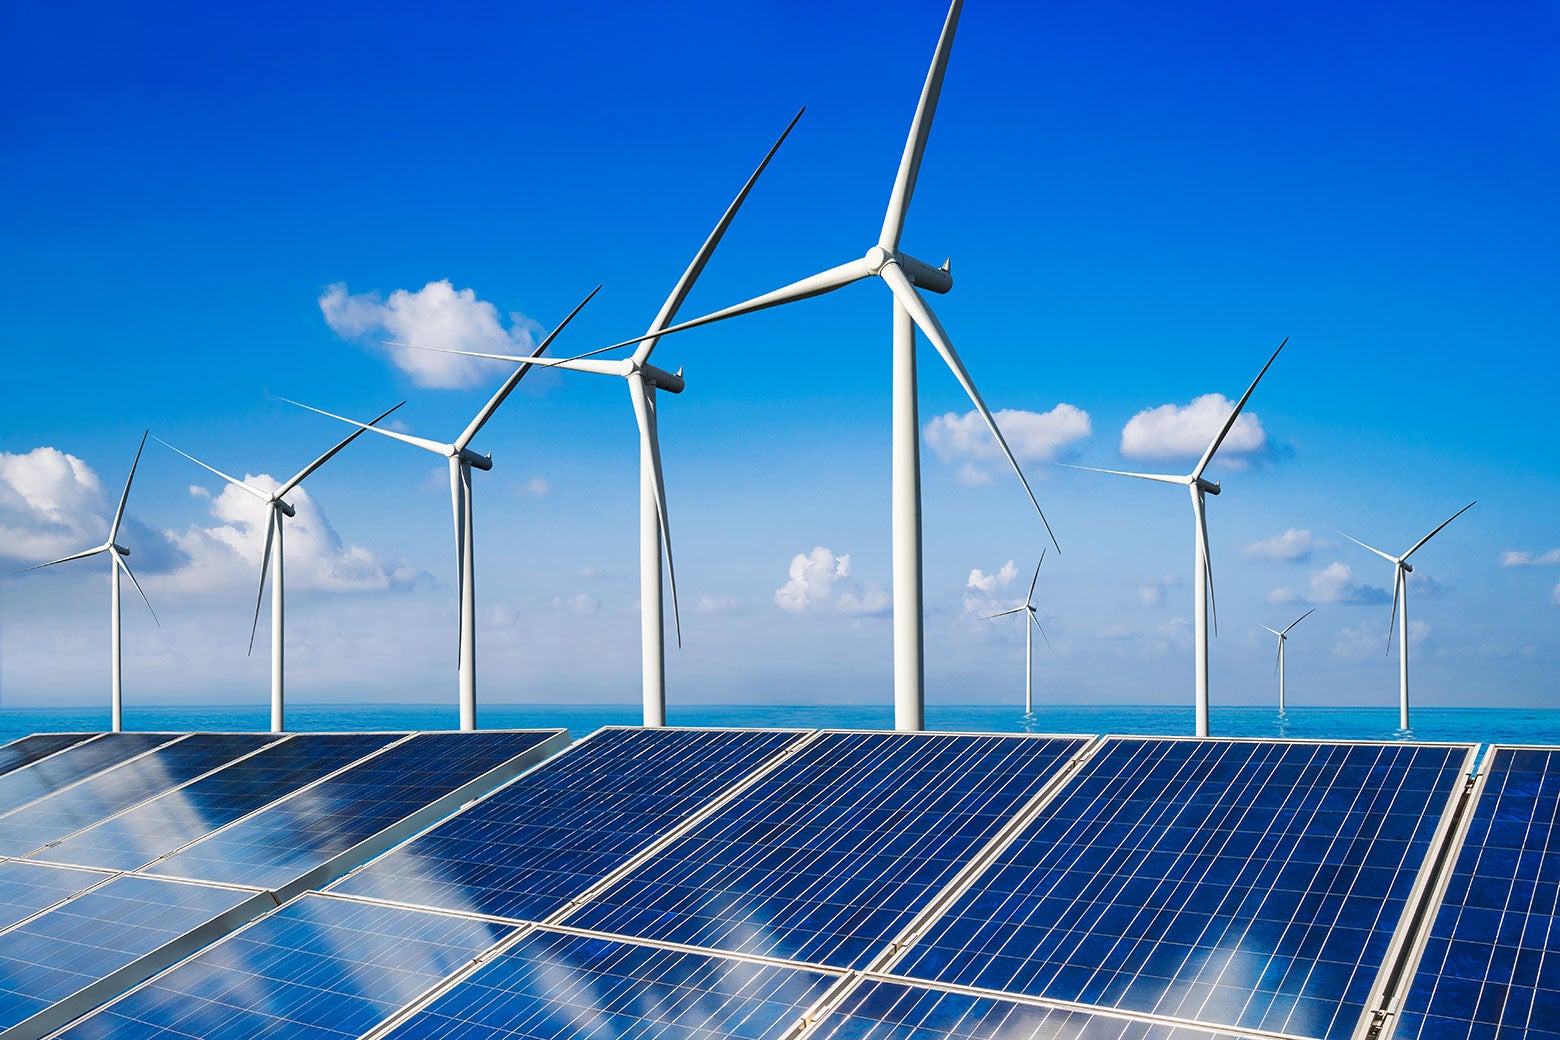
(1031, 626)
(116, 553)
(1202, 592)
(1401, 569)
(461, 462)
(1283, 637)
(276, 508)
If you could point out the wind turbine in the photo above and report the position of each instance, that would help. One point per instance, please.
(1283, 636)
(1031, 625)
(904, 275)
(461, 461)
(1202, 568)
(643, 380)
(116, 553)
(276, 508)
(1400, 571)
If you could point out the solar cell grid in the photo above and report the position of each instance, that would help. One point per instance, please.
(829, 856)
(549, 835)
(26, 889)
(21, 786)
(27, 750)
(1240, 884)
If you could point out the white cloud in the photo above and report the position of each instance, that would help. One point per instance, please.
(1152, 592)
(1174, 431)
(1555, 598)
(989, 583)
(1368, 640)
(1335, 584)
(51, 504)
(720, 605)
(582, 603)
(1283, 595)
(869, 602)
(1512, 558)
(1033, 436)
(1293, 546)
(820, 580)
(437, 315)
(535, 487)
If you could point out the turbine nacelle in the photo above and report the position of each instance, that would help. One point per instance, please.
(1408, 568)
(1206, 486)
(471, 458)
(121, 550)
(661, 379)
(286, 508)
(921, 274)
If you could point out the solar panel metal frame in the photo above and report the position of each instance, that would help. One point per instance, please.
(173, 738)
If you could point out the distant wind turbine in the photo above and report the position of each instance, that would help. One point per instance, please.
(116, 553)
(461, 461)
(1031, 626)
(276, 508)
(904, 275)
(1400, 571)
(644, 379)
(1283, 637)
(1202, 568)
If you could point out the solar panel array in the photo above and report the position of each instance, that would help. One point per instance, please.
(681, 883)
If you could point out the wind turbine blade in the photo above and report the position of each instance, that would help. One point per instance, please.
(416, 442)
(65, 559)
(1437, 531)
(685, 283)
(212, 469)
(1163, 478)
(1275, 631)
(1230, 422)
(458, 490)
(1041, 630)
(1390, 559)
(911, 301)
(1278, 655)
(1002, 613)
(1200, 508)
(650, 442)
(119, 514)
(1035, 579)
(265, 560)
(920, 128)
(317, 463)
(514, 380)
(131, 575)
(532, 361)
(1295, 622)
(1397, 590)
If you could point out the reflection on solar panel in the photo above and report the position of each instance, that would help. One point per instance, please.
(878, 1010)
(548, 836)
(282, 843)
(21, 786)
(318, 967)
(1234, 883)
(26, 889)
(831, 854)
(167, 823)
(28, 750)
(81, 805)
(1489, 967)
(554, 985)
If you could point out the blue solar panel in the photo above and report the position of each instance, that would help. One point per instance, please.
(26, 751)
(1489, 967)
(21, 786)
(318, 967)
(877, 1010)
(27, 889)
(283, 842)
(829, 856)
(524, 851)
(78, 943)
(1239, 884)
(64, 812)
(173, 820)
(551, 986)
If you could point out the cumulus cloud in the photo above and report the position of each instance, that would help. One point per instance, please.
(1335, 584)
(582, 603)
(719, 605)
(1512, 558)
(1367, 640)
(51, 504)
(820, 580)
(989, 583)
(1293, 546)
(1033, 436)
(1152, 593)
(1176, 431)
(1284, 595)
(437, 315)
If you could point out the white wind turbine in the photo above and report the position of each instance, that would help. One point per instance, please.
(276, 508)
(461, 461)
(1283, 636)
(1401, 568)
(1031, 626)
(643, 380)
(116, 553)
(1202, 592)
(904, 275)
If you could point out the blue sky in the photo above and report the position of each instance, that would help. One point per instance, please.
(1139, 202)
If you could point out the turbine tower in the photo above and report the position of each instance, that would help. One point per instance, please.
(643, 380)
(1400, 571)
(1031, 626)
(1283, 636)
(904, 276)
(461, 461)
(116, 553)
(1202, 592)
(276, 508)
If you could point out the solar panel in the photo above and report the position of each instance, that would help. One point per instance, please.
(21, 786)
(167, 823)
(57, 815)
(551, 985)
(830, 855)
(408, 785)
(1236, 883)
(1488, 967)
(525, 850)
(317, 967)
(27, 889)
(26, 751)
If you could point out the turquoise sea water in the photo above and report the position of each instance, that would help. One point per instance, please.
(1472, 725)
